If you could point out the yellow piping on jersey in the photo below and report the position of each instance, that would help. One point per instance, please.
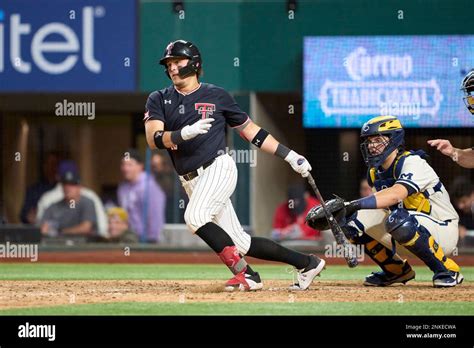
(404, 154)
(372, 175)
(417, 201)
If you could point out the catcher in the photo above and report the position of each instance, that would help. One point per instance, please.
(410, 209)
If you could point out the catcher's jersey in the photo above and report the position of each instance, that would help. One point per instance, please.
(426, 193)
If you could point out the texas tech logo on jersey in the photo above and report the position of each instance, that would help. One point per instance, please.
(205, 109)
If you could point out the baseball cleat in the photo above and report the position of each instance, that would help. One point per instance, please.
(447, 279)
(306, 276)
(244, 282)
(385, 279)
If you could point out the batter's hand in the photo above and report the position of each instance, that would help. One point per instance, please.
(444, 146)
(200, 127)
(298, 163)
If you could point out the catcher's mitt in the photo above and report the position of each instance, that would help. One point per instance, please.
(317, 219)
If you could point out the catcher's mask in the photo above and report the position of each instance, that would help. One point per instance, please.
(183, 49)
(389, 126)
(467, 86)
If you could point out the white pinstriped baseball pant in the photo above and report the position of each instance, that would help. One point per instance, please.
(209, 200)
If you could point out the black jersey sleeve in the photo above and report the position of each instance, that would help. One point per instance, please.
(233, 114)
(154, 107)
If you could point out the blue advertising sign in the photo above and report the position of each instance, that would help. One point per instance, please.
(67, 46)
(347, 80)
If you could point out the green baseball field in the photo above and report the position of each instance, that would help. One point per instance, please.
(197, 289)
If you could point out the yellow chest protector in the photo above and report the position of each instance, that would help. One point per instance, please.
(417, 201)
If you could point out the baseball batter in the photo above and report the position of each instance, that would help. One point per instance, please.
(410, 209)
(189, 120)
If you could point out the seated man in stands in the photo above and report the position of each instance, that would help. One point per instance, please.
(289, 219)
(57, 194)
(72, 215)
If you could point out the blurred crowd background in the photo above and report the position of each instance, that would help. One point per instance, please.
(71, 115)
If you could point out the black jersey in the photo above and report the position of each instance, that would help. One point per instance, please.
(177, 110)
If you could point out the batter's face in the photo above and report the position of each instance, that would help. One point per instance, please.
(173, 65)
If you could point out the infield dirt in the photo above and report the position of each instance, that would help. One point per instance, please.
(18, 293)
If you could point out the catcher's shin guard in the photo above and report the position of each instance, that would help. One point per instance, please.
(389, 262)
(416, 238)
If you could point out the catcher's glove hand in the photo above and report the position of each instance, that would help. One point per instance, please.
(317, 219)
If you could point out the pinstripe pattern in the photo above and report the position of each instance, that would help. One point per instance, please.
(209, 201)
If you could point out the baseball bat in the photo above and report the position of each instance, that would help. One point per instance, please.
(341, 239)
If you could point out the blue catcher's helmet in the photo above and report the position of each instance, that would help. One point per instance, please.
(381, 125)
(467, 86)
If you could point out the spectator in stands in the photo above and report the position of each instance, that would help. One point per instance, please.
(33, 193)
(119, 230)
(289, 218)
(142, 197)
(74, 214)
(364, 189)
(57, 194)
(462, 194)
(162, 170)
(165, 177)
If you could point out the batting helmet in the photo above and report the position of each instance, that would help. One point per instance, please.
(467, 86)
(382, 125)
(183, 49)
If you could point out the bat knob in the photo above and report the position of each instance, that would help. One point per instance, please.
(353, 263)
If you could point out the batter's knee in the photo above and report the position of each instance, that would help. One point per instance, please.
(401, 225)
(196, 218)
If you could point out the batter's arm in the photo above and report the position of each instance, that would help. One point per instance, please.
(153, 126)
(157, 138)
(249, 132)
(265, 141)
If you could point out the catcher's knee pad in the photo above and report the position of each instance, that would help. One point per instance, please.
(401, 225)
(416, 238)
